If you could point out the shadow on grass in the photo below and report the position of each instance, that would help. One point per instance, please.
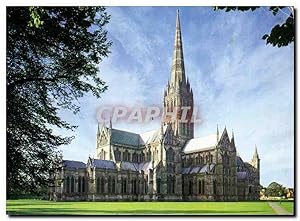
(65, 211)
(17, 205)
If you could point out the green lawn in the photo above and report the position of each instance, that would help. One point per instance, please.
(287, 205)
(42, 207)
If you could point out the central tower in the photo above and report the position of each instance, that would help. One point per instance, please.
(178, 95)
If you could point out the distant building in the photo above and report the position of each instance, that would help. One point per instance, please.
(289, 192)
(164, 164)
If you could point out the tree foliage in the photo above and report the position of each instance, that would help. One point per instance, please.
(275, 189)
(281, 34)
(52, 60)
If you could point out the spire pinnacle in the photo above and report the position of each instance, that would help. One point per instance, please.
(110, 122)
(232, 138)
(255, 155)
(98, 130)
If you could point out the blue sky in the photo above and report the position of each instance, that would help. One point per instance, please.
(237, 79)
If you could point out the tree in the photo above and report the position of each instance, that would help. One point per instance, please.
(275, 189)
(52, 58)
(281, 35)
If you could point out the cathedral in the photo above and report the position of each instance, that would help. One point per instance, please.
(166, 164)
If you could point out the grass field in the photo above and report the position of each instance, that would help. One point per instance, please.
(43, 207)
(288, 206)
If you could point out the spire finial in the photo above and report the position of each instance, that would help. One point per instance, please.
(177, 18)
(232, 138)
(110, 122)
(98, 130)
(255, 155)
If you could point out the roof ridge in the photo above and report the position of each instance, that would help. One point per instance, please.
(74, 161)
(125, 131)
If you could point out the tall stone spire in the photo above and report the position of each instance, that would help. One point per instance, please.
(177, 71)
(178, 95)
(255, 155)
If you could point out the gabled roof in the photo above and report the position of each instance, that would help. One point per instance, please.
(134, 139)
(128, 166)
(103, 164)
(126, 138)
(73, 164)
(201, 144)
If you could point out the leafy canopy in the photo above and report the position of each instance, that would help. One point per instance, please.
(275, 189)
(281, 34)
(52, 60)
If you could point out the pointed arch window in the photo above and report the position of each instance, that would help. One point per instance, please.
(79, 184)
(68, 184)
(146, 185)
(135, 158)
(149, 155)
(126, 155)
(72, 184)
(170, 184)
(109, 185)
(134, 186)
(170, 168)
(113, 185)
(123, 185)
(142, 186)
(158, 183)
(197, 160)
(170, 154)
(138, 186)
(118, 155)
(98, 184)
(214, 187)
(190, 187)
(102, 185)
(83, 184)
